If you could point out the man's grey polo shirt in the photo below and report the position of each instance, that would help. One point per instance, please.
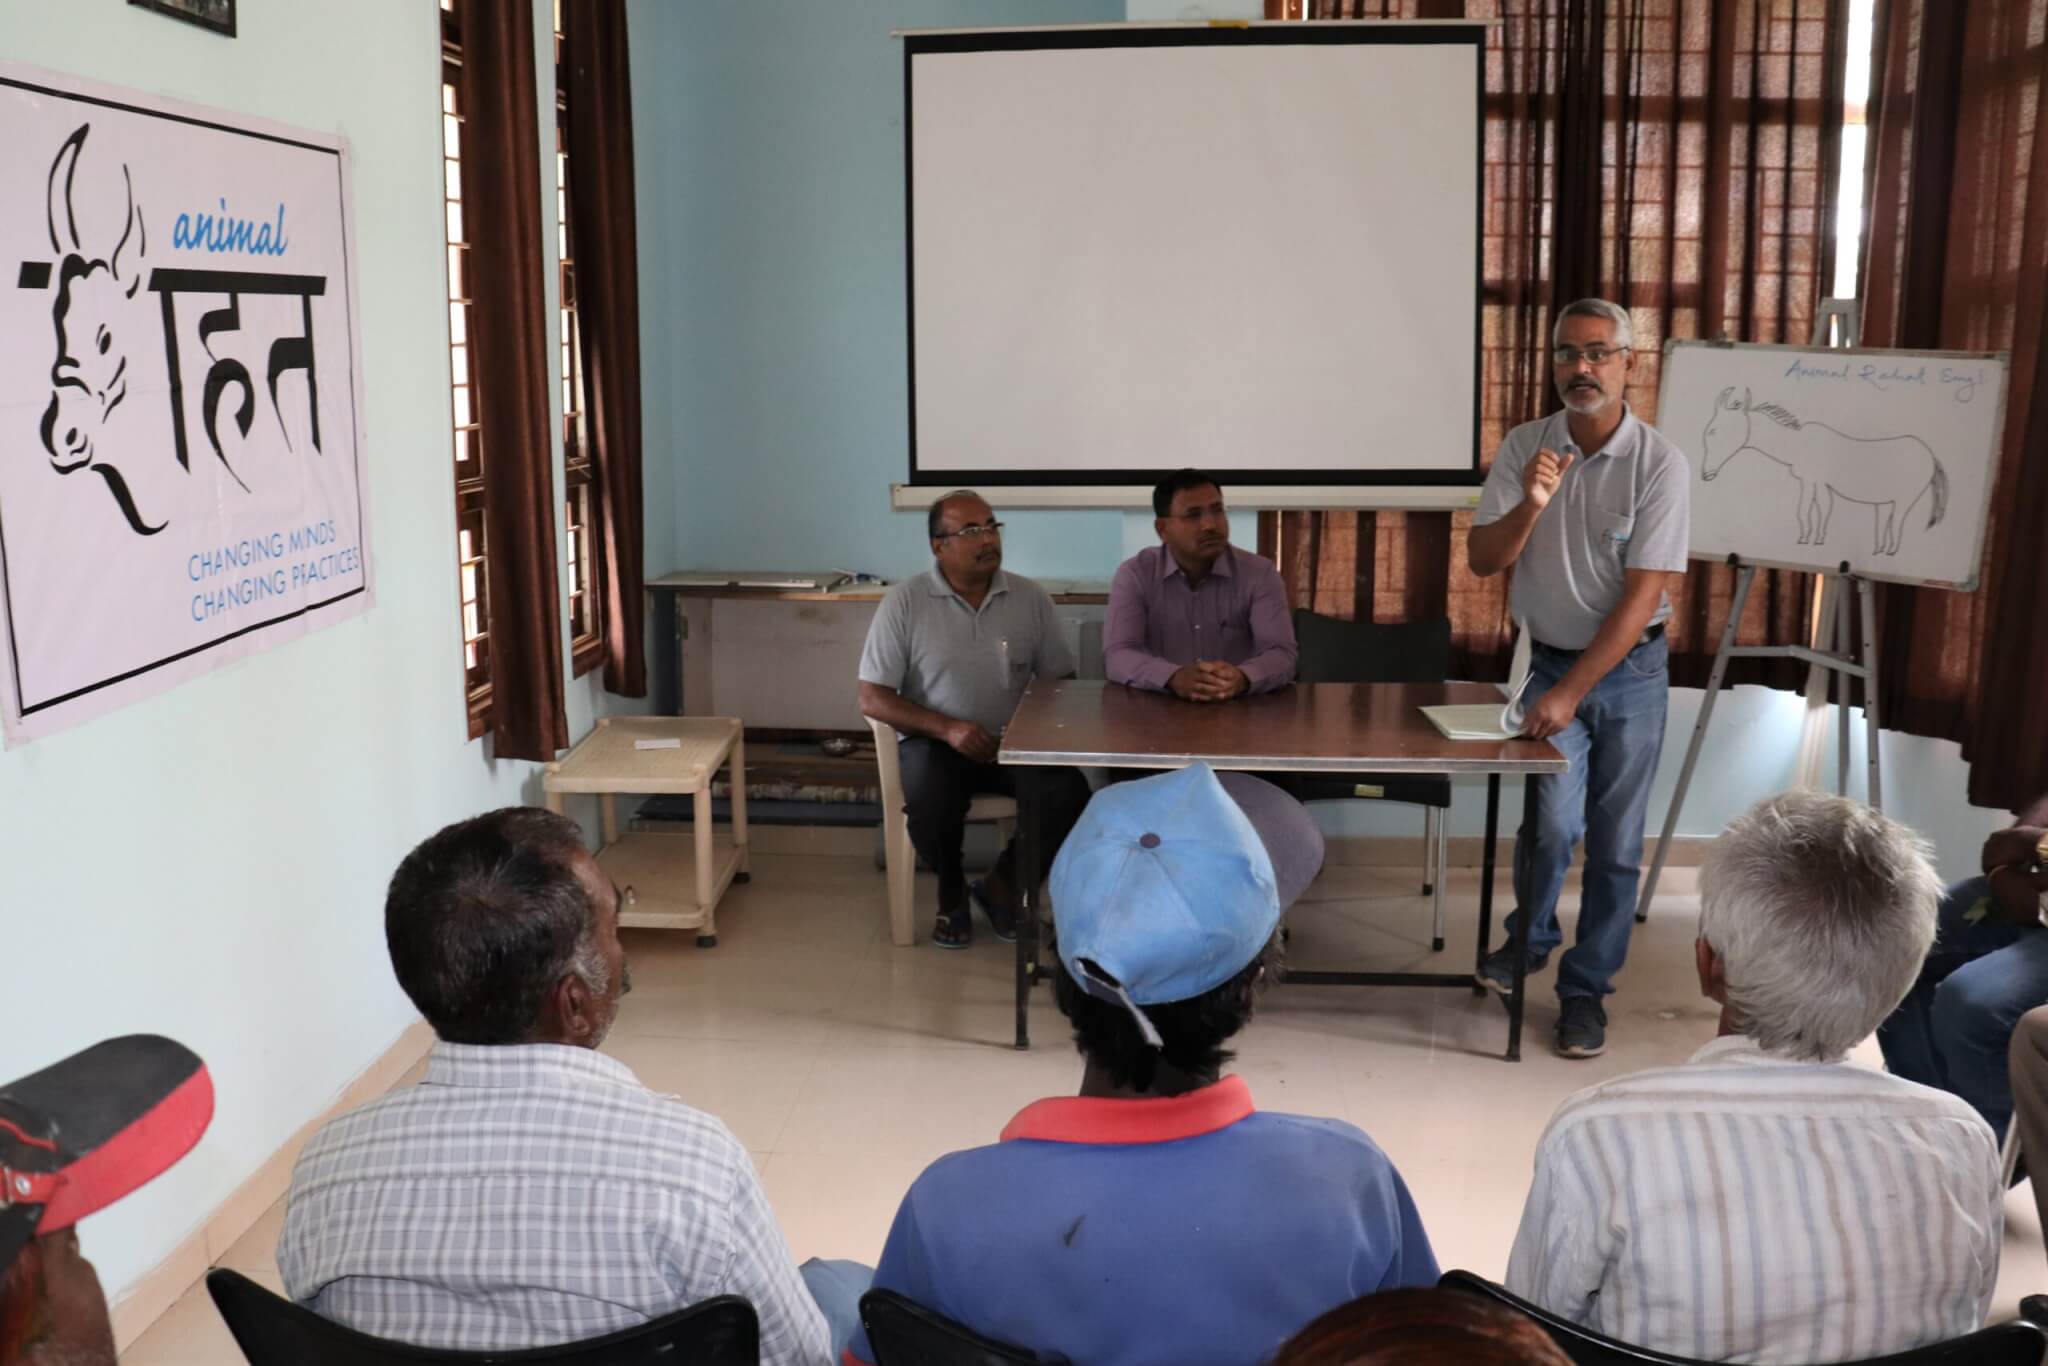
(930, 646)
(1626, 506)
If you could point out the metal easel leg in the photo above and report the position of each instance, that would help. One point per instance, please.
(1838, 645)
(1866, 593)
(1745, 576)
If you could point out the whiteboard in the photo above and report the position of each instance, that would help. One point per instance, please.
(1252, 250)
(1809, 458)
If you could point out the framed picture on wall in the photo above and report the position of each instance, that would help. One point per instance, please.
(218, 15)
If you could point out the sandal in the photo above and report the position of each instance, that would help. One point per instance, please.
(953, 929)
(1001, 919)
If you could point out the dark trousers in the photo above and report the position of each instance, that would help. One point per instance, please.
(939, 782)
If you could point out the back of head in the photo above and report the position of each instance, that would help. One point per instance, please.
(484, 918)
(1165, 907)
(1421, 1328)
(1191, 1033)
(1179, 482)
(1821, 911)
(24, 1305)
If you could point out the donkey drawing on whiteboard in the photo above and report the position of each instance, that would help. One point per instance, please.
(1891, 475)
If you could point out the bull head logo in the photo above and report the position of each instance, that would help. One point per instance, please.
(97, 310)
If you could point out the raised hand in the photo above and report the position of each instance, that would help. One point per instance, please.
(1542, 474)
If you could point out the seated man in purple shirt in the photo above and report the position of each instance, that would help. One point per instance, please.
(1195, 616)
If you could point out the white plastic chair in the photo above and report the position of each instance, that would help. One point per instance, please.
(899, 857)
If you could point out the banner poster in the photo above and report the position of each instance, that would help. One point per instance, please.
(181, 450)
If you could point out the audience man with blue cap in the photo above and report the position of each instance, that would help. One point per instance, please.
(1158, 1217)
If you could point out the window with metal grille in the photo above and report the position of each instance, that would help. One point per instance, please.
(586, 596)
(468, 451)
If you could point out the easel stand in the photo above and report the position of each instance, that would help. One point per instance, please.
(1836, 661)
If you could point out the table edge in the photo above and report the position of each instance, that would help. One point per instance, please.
(1282, 763)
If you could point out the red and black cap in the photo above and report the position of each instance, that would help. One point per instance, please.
(78, 1135)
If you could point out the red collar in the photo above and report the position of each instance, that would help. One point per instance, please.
(1092, 1119)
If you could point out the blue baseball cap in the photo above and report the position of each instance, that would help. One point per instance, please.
(1164, 890)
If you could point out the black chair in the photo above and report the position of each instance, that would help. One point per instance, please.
(1331, 650)
(2018, 1343)
(273, 1331)
(902, 1332)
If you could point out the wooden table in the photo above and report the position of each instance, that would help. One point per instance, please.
(676, 880)
(1309, 728)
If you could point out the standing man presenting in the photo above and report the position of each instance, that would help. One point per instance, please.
(1194, 615)
(947, 659)
(1590, 506)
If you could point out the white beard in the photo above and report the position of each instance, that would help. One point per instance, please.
(1585, 402)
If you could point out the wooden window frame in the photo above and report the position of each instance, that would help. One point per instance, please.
(582, 493)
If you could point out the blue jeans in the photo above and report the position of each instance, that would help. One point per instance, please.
(1613, 745)
(1953, 1028)
(837, 1287)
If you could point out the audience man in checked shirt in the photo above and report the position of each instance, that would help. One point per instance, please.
(531, 1191)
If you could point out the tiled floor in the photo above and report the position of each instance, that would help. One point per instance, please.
(845, 1064)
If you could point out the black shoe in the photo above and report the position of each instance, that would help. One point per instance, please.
(1582, 1027)
(1001, 918)
(1497, 969)
(2034, 1309)
(954, 929)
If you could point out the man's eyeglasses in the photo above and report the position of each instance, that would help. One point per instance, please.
(973, 531)
(1592, 355)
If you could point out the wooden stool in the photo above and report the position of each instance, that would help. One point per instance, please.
(676, 880)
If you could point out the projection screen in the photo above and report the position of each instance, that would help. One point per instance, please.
(1255, 250)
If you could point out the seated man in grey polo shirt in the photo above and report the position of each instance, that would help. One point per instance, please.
(947, 658)
(1590, 506)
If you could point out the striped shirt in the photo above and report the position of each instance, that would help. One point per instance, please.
(1749, 1207)
(532, 1194)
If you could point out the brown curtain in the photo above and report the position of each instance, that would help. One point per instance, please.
(1957, 258)
(508, 332)
(1676, 157)
(608, 309)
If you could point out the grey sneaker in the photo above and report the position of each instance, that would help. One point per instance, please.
(1497, 971)
(1582, 1027)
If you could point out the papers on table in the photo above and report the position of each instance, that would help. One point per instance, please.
(1483, 720)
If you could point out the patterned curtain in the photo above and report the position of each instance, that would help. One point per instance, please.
(1957, 258)
(1678, 157)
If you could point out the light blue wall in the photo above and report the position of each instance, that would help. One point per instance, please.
(210, 863)
(769, 147)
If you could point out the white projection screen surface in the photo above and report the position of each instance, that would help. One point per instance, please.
(1251, 250)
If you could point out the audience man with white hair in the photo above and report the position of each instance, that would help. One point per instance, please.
(1770, 1201)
